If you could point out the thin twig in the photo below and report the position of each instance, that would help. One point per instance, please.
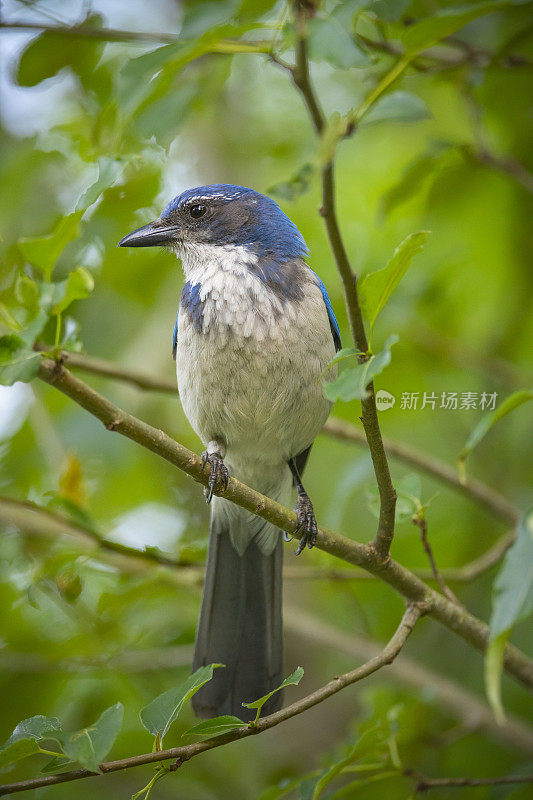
(99, 366)
(41, 522)
(506, 164)
(421, 522)
(401, 579)
(185, 753)
(369, 418)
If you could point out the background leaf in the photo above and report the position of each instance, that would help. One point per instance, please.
(50, 52)
(89, 746)
(329, 41)
(77, 286)
(216, 726)
(44, 251)
(376, 288)
(158, 715)
(17, 750)
(293, 680)
(397, 106)
(351, 383)
(433, 29)
(512, 602)
(491, 418)
(36, 727)
(17, 361)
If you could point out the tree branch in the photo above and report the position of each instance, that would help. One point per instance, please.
(27, 516)
(405, 582)
(37, 521)
(471, 711)
(424, 784)
(186, 752)
(454, 698)
(369, 418)
(421, 522)
(86, 32)
(485, 495)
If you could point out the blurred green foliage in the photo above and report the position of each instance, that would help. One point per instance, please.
(97, 135)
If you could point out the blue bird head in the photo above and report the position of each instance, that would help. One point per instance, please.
(222, 214)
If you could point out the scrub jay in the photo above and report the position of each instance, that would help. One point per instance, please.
(254, 333)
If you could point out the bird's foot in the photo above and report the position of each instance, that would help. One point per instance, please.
(218, 472)
(306, 522)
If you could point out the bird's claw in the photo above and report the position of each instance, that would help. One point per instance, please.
(306, 523)
(218, 471)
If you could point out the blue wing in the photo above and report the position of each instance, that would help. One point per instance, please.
(331, 316)
(175, 337)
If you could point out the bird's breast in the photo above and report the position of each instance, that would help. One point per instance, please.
(250, 366)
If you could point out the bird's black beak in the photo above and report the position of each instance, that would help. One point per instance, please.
(155, 233)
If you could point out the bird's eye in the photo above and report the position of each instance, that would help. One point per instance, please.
(197, 211)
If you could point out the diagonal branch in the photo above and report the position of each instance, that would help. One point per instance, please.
(185, 753)
(362, 555)
(486, 496)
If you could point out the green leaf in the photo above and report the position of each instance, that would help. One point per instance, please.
(345, 352)
(345, 12)
(293, 680)
(17, 750)
(329, 41)
(109, 169)
(44, 251)
(396, 107)
(35, 728)
(409, 502)
(295, 186)
(158, 715)
(491, 418)
(493, 674)
(58, 764)
(216, 726)
(89, 746)
(77, 286)
(376, 288)
(351, 383)
(512, 602)
(27, 292)
(18, 362)
(7, 318)
(22, 741)
(50, 52)
(513, 588)
(149, 77)
(432, 29)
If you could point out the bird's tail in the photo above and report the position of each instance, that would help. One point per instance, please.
(240, 621)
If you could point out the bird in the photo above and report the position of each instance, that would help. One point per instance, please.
(254, 335)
